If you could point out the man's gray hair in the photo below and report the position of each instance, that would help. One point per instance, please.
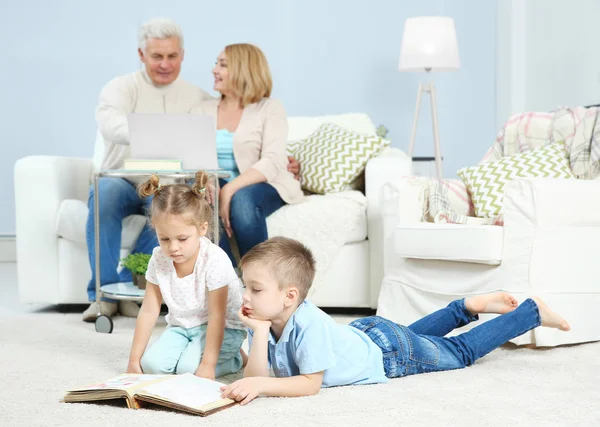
(158, 28)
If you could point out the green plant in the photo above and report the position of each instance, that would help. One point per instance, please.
(136, 263)
(382, 131)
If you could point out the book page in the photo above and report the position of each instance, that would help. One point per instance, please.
(122, 382)
(186, 389)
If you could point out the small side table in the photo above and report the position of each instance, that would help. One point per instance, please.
(125, 291)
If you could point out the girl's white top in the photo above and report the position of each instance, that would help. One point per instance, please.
(187, 297)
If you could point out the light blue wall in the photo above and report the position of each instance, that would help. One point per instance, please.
(327, 56)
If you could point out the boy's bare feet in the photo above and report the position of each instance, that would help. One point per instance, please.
(497, 302)
(549, 318)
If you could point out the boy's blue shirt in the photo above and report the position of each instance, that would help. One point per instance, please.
(313, 342)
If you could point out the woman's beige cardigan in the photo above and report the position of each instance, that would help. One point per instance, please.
(259, 142)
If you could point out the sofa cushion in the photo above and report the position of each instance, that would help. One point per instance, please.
(481, 244)
(332, 157)
(72, 218)
(341, 217)
(486, 181)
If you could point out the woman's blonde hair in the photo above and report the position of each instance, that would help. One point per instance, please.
(249, 74)
(180, 199)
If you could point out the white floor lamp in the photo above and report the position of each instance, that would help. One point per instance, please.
(429, 44)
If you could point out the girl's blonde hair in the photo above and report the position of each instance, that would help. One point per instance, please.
(180, 199)
(249, 74)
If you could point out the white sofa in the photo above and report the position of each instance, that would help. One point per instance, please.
(548, 247)
(52, 258)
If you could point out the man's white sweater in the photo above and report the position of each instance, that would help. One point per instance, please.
(135, 93)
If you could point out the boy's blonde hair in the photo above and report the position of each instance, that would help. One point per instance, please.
(180, 199)
(249, 74)
(289, 261)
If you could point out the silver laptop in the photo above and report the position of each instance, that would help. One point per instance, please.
(191, 138)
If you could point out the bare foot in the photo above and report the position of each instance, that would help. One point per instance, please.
(244, 358)
(497, 302)
(549, 318)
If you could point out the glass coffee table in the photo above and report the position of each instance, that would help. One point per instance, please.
(126, 290)
(123, 291)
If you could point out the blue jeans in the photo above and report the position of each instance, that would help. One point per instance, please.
(250, 207)
(422, 347)
(118, 199)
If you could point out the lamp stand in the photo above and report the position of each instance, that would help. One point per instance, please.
(430, 89)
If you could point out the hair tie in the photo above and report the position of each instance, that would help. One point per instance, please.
(202, 190)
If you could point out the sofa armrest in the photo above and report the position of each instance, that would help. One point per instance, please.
(554, 202)
(41, 185)
(389, 166)
(552, 228)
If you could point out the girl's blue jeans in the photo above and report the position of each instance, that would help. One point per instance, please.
(180, 350)
(423, 347)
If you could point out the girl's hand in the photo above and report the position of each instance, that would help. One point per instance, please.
(205, 371)
(254, 324)
(224, 206)
(134, 367)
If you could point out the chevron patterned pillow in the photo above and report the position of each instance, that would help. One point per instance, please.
(486, 182)
(332, 157)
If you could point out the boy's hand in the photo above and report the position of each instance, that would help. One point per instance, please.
(134, 368)
(244, 390)
(205, 371)
(253, 324)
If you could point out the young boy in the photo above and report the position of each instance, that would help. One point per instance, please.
(308, 350)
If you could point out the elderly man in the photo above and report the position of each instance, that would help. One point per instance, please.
(156, 88)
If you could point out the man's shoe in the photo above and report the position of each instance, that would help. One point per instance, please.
(106, 309)
(129, 308)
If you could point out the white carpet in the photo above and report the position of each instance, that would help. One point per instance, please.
(45, 353)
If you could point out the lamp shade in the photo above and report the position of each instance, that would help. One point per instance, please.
(429, 42)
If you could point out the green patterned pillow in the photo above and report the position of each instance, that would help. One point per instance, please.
(486, 182)
(332, 157)
(292, 146)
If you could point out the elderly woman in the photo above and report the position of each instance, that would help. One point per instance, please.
(251, 138)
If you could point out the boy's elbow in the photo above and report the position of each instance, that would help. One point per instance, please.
(315, 386)
(315, 390)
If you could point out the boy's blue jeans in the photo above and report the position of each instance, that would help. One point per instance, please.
(118, 199)
(249, 209)
(422, 347)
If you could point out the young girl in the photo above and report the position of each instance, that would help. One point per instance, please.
(197, 282)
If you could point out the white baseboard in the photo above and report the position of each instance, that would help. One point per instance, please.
(8, 248)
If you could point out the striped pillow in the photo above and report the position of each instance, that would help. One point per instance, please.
(486, 181)
(333, 157)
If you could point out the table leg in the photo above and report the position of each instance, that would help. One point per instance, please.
(216, 210)
(97, 239)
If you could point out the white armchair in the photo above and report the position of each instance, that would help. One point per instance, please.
(51, 212)
(548, 247)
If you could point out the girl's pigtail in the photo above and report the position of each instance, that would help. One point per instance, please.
(150, 187)
(199, 186)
